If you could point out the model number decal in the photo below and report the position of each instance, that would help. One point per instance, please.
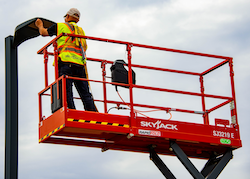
(223, 134)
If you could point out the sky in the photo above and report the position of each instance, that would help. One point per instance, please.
(219, 27)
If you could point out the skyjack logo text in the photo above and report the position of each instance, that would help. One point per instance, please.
(158, 125)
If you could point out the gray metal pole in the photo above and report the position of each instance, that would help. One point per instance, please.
(11, 113)
(23, 32)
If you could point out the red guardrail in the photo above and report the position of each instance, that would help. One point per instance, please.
(205, 112)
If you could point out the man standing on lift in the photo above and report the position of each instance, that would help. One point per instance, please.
(72, 59)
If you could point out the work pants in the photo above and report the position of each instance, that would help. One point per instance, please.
(81, 86)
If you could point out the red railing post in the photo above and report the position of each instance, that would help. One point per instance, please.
(205, 114)
(234, 117)
(130, 80)
(103, 66)
(45, 54)
(64, 92)
(56, 59)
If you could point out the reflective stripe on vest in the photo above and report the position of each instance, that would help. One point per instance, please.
(72, 52)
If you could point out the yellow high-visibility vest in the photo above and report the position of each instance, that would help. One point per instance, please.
(69, 48)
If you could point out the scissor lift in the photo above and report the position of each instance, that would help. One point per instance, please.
(143, 134)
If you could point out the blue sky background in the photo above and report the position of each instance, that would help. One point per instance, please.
(218, 27)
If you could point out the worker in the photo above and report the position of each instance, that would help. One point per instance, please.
(72, 59)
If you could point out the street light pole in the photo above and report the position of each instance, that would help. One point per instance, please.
(11, 102)
(23, 32)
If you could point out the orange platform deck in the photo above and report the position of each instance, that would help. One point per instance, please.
(108, 131)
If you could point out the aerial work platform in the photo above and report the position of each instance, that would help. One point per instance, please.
(137, 132)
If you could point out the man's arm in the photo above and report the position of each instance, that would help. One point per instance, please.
(42, 30)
